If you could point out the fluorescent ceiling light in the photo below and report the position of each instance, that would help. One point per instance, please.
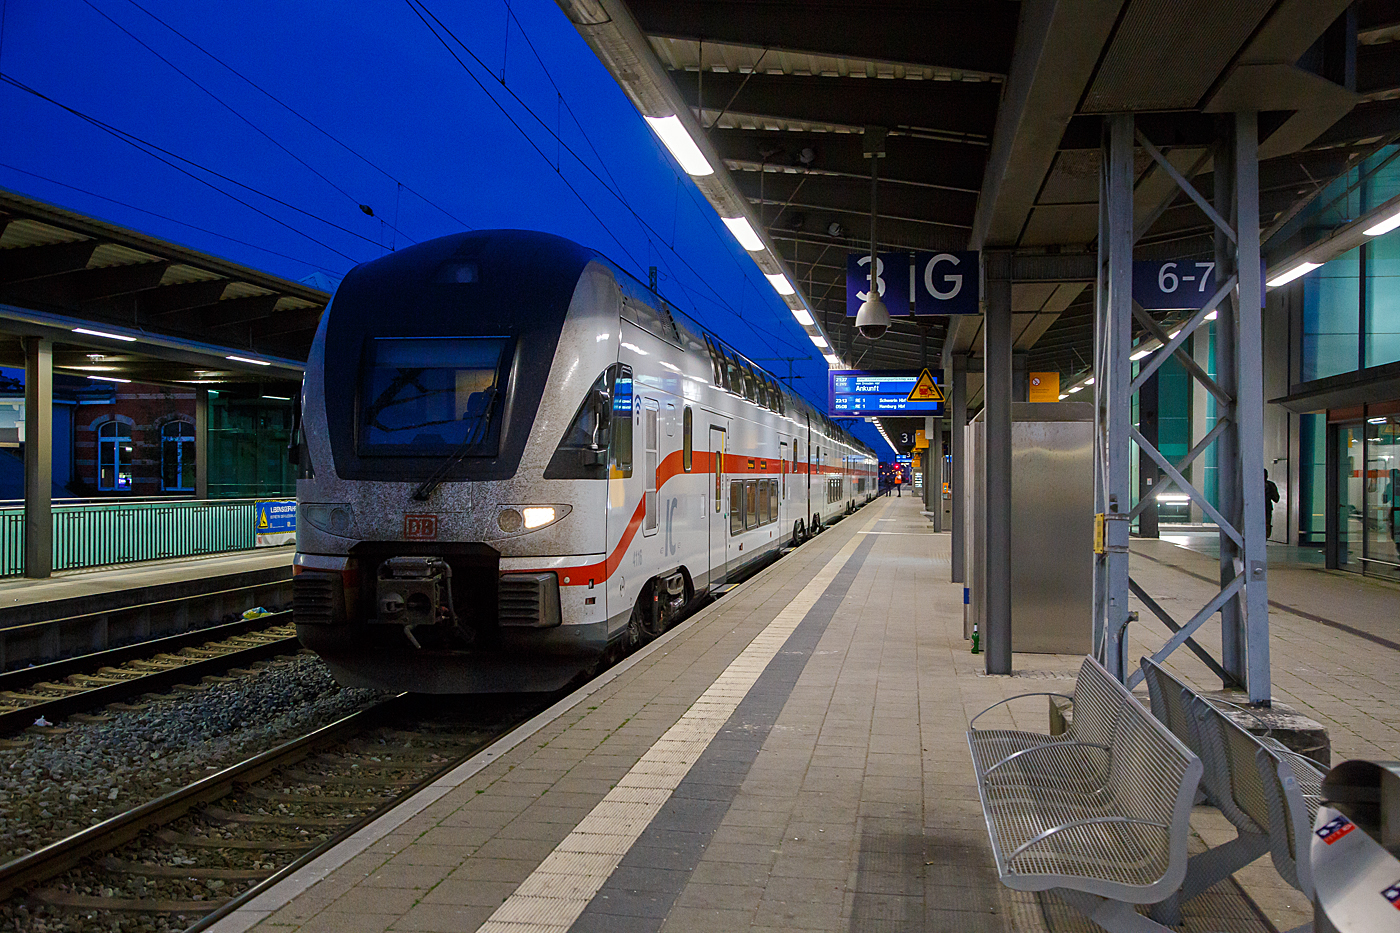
(93, 369)
(1073, 390)
(803, 317)
(833, 361)
(1089, 381)
(691, 159)
(279, 398)
(1375, 420)
(1302, 269)
(244, 359)
(1212, 316)
(1172, 335)
(1063, 396)
(779, 282)
(1385, 226)
(819, 340)
(1141, 354)
(103, 333)
(743, 232)
(108, 379)
(1173, 497)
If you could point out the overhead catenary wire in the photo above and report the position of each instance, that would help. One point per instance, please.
(183, 223)
(424, 14)
(158, 153)
(303, 118)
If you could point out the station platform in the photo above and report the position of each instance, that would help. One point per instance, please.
(793, 757)
(77, 611)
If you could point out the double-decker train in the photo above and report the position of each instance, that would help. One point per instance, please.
(519, 461)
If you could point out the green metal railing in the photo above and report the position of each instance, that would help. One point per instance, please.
(97, 532)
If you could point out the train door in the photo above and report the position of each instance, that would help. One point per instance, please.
(716, 510)
(807, 514)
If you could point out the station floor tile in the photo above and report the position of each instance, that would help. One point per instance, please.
(836, 793)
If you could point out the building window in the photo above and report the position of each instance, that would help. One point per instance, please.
(114, 455)
(177, 457)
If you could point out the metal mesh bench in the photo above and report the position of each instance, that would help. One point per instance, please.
(1099, 815)
(1268, 792)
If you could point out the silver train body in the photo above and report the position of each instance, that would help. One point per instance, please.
(519, 463)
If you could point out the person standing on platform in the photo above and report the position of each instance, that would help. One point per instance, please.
(1270, 497)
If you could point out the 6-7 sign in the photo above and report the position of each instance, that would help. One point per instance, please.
(1185, 284)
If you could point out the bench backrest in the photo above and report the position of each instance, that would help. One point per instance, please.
(1230, 751)
(1286, 781)
(1152, 774)
(1170, 700)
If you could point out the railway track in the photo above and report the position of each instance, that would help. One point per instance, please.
(61, 688)
(191, 855)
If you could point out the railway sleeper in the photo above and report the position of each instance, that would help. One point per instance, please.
(170, 837)
(118, 866)
(362, 780)
(220, 815)
(54, 898)
(287, 796)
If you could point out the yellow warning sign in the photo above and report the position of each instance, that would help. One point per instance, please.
(262, 520)
(925, 389)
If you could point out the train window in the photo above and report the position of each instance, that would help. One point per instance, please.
(733, 382)
(714, 362)
(772, 500)
(425, 397)
(651, 466)
(620, 448)
(736, 507)
(751, 514)
(687, 450)
(746, 378)
(782, 464)
(760, 389)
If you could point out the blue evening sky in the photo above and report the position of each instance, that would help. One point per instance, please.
(255, 130)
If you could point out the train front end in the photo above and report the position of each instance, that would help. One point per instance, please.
(430, 546)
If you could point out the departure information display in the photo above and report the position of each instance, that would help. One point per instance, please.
(862, 394)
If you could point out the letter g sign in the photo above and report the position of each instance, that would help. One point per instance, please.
(954, 280)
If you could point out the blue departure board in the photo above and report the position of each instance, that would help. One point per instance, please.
(861, 394)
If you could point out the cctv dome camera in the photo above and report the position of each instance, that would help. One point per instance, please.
(873, 318)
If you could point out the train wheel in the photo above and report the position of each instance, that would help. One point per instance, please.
(816, 523)
(638, 633)
(797, 534)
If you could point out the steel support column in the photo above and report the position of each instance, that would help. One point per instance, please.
(1236, 391)
(201, 444)
(935, 455)
(1149, 405)
(38, 457)
(1249, 404)
(1112, 403)
(997, 389)
(958, 427)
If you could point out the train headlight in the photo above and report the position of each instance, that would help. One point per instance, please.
(518, 519)
(333, 517)
(537, 516)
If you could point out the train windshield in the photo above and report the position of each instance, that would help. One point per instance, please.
(431, 395)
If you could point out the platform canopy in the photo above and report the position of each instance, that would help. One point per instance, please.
(992, 111)
(182, 313)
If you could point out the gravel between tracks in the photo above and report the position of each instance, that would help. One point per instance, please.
(62, 781)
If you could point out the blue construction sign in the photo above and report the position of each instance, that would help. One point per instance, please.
(275, 521)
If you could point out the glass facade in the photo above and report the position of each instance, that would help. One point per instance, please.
(248, 447)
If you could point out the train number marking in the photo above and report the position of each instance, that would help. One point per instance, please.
(420, 527)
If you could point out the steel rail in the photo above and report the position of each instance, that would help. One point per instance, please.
(96, 697)
(58, 857)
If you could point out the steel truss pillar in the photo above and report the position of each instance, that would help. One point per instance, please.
(1238, 510)
(958, 442)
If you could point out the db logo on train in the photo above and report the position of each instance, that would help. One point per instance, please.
(1334, 829)
(1392, 894)
(420, 527)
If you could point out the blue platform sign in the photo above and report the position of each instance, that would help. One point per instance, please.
(893, 278)
(1176, 284)
(940, 283)
(275, 521)
(853, 393)
(947, 283)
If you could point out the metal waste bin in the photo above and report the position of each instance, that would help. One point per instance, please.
(1355, 849)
